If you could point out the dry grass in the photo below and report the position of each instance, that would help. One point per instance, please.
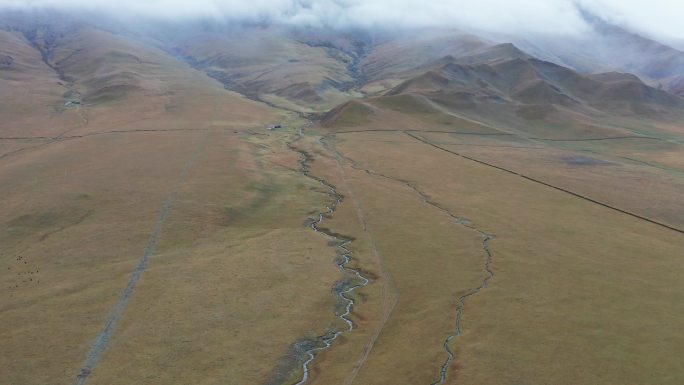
(226, 291)
(400, 237)
(81, 230)
(77, 215)
(227, 294)
(582, 294)
(556, 311)
(645, 190)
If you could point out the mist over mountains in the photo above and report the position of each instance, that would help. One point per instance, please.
(242, 46)
(558, 17)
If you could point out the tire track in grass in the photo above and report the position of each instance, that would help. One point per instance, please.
(389, 291)
(63, 138)
(101, 342)
(343, 288)
(389, 295)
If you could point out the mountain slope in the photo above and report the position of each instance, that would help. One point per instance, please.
(292, 69)
(612, 48)
(507, 88)
(31, 92)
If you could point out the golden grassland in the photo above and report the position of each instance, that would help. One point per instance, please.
(225, 293)
(70, 220)
(581, 293)
(237, 277)
(78, 212)
(400, 237)
(555, 311)
(236, 270)
(643, 189)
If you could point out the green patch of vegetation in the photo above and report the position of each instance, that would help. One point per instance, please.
(453, 122)
(349, 115)
(263, 191)
(34, 221)
(407, 104)
(535, 111)
(110, 93)
(269, 201)
(26, 225)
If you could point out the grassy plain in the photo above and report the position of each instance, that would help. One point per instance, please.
(224, 294)
(600, 173)
(399, 240)
(233, 263)
(555, 310)
(581, 293)
(237, 278)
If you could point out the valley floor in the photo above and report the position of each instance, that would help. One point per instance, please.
(543, 303)
(163, 235)
(476, 275)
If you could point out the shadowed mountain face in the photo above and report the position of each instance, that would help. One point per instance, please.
(314, 69)
(398, 56)
(532, 81)
(504, 87)
(293, 70)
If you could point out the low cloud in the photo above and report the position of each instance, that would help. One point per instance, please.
(656, 17)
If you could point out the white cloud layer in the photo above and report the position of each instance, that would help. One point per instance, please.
(656, 17)
(660, 18)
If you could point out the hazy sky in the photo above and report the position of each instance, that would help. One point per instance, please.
(660, 18)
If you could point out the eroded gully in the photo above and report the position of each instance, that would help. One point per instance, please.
(486, 238)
